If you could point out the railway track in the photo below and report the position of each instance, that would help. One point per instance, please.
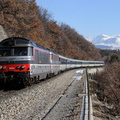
(35, 101)
(73, 96)
(52, 107)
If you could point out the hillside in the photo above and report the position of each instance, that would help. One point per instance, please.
(25, 19)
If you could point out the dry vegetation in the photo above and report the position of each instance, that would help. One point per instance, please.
(108, 83)
(108, 87)
(24, 18)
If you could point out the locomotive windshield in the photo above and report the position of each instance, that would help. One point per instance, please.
(16, 51)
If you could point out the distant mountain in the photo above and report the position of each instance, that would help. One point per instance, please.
(106, 42)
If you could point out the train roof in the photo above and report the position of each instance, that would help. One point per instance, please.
(16, 41)
(20, 41)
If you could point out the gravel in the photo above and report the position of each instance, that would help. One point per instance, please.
(33, 102)
(69, 106)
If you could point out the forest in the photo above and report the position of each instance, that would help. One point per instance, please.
(25, 19)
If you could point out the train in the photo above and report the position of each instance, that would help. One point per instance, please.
(24, 62)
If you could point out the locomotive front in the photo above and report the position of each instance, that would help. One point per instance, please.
(16, 55)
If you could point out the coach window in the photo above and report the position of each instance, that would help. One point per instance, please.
(37, 56)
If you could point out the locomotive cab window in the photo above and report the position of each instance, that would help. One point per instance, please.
(16, 51)
(5, 52)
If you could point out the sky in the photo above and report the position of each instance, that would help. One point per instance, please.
(88, 17)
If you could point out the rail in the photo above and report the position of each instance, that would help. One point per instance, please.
(86, 111)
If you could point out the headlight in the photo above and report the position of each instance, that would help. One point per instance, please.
(4, 67)
(22, 67)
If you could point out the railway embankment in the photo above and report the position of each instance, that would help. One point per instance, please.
(34, 102)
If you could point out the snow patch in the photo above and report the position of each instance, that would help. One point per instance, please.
(80, 71)
(106, 41)
(118, 41)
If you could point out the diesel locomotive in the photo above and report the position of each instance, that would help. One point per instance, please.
(23, 62)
